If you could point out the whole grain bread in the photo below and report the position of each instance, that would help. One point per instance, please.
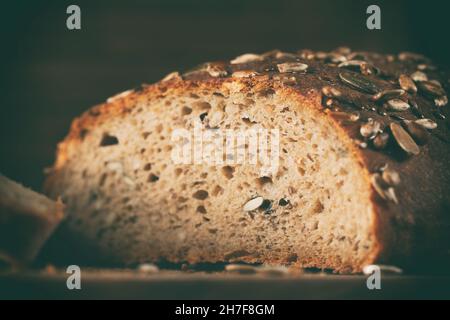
(362, 174)
(27, 219)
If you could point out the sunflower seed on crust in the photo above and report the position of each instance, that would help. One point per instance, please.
(359, 82)
(419, 76)
(351, 64)
(370, 129)
(331, 92)
(391, 177)
(431, 88)
(441, 101)
(397, 105)
(388, 94)
(246, 58)
(403, 139)
(381, 140)
(407, 84)
(244, 74)
(291, 67)
(427, 123)
(253, 204)
(419, 133)
(172, 76)
(383, 189)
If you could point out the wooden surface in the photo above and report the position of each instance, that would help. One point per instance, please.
(127, 284)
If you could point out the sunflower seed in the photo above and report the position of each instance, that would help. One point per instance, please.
(244, 74)
(359, 82)
(369, 269)
(397, 105)
(441, 101)
(407, 84)
(119, 96)
(415, 108)
(388, 94)
(419, 133)
(391, 177)
(216, 69)
(427, 123)
(431, 88)
(351, 64)
(253, 204)
(331, 92)
(347, 116)
(403, 139)
(368, 69)
(172, 76)
(240, 268)
(282, 55)
(370, 129)
(381, 140)
(424, 66)
(246, 58)
(343, 50)
(419, 76)
(390, 195)
(148, 268)
(405, 56)
(272, 270)
(379, 185)
(291, 67)
(306, 54)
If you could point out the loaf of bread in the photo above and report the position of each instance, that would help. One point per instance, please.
(27, 219)
(356, 169)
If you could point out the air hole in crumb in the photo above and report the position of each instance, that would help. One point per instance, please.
(200, 194)
(108, 140)
(186, 111)
(318, 207)
(148, 167)
(201, 105)
(262, 181)
(153, 178)
(204, 175)
(217, 190)
(145, 135)
(159, 128)
(178, 171)
(283, 202)
(228, 172)
(203, 116)
(201, 209)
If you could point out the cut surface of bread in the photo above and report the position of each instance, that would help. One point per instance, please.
(319, 206)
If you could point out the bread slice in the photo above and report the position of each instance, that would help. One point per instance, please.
(27, 219)
(345, 186)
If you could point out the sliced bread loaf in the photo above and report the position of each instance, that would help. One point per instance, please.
(350, 167)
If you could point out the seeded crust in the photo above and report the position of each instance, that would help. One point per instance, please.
(362, 217)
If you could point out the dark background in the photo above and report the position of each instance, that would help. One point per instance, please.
(50, 74)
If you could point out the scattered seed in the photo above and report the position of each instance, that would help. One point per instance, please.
(388, 95)
(240, 268)
(359, 82)
(419, 76)
(370, 129)
(291, 67)
(397, 105)
(253, 204)
(148, 268)
(246, 58)
(351, 64)
(379, 185)
(427, 123)
(381, 140)
(390, 195)
(369, 269)
(407, 84)
(403, 139)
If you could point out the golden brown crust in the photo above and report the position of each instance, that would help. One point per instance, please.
(411, 219)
